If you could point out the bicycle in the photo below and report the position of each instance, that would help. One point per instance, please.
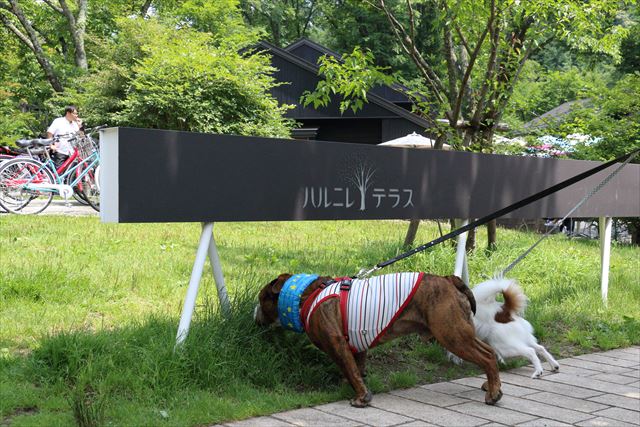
(27, 185)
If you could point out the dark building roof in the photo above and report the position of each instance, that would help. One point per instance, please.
(310, 51)
(555, 115)
(378, 121)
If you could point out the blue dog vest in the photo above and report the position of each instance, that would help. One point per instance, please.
(289, 300)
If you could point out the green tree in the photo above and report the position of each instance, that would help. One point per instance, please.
(485, 47)
(159, 76)
(283, 21)
(346, 24)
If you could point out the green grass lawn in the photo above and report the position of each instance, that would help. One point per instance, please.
(89, 312)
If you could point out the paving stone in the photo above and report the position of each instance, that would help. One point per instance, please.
(543, 422)
(492, 413)
(614, 378)
(620, 414)
(422, 411)
(622, 354)
(313, 417)
(259, 422)
(635, 385)
(592, 384)
(507, 388)
(634, 373)
(537, 408)
(574, 370)
(601, 358)
(619, 401)
(567, 402)
(604, 422)
(448, 388)
(596, 366)
(428, 396)
(417, 423)
(630, 350)
(527, 371)
(372, 416)
(542, 384)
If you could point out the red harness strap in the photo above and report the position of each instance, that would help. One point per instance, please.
(345, 286)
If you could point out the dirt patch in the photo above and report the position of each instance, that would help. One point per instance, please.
(28, 410)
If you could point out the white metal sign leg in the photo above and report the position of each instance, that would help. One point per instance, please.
(194, 283)
(605, 255)
(461, 268)
(214, 258)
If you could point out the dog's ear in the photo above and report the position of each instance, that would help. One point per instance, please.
(276, 285)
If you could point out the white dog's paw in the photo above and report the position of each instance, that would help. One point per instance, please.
(453, 358)
(536, 374)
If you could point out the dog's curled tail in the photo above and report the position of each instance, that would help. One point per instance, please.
(515, 301)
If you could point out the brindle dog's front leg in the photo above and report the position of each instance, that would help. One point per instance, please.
(361, 361)
(339, 351)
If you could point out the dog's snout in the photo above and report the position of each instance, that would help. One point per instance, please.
(258, 316)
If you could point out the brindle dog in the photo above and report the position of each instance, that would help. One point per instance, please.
(440, 308)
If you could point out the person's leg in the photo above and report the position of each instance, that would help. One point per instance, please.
(59, 159)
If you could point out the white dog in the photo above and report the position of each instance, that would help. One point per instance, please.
(500, 324)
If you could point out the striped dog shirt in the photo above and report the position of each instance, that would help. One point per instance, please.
(370, 306)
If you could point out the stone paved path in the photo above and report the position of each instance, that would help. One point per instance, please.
(600, 389)
(60, 207)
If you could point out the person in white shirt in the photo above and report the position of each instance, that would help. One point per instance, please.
(66, 127)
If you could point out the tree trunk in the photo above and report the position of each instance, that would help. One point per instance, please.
(491, 235)
(77, 26)
(471, 240)
(411, 232)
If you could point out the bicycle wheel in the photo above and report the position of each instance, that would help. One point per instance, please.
(90, 187)
(78, 195)
(15, 195)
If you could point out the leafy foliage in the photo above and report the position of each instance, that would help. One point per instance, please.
(352, 77)
(614, 118)
(541, 90)
(183, 81)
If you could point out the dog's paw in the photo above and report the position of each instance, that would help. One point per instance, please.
(555, 368)
(363, 401)
(490, 399)
(536, 374)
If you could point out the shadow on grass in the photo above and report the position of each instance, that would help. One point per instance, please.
(229, 359)
(228, 368)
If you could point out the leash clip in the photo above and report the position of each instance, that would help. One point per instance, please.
(363, 274)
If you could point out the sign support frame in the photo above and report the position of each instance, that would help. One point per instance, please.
(206, 247)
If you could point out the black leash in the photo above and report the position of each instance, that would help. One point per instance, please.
(501, 212)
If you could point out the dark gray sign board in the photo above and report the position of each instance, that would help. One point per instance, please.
(169, 176)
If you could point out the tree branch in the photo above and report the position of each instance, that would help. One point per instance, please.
(15, 30)
(34, 44)
(491, 68)
(408, 45)
(463, 40)
(54, 7)
(474, 56)
(145, 8)
(412, 22)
